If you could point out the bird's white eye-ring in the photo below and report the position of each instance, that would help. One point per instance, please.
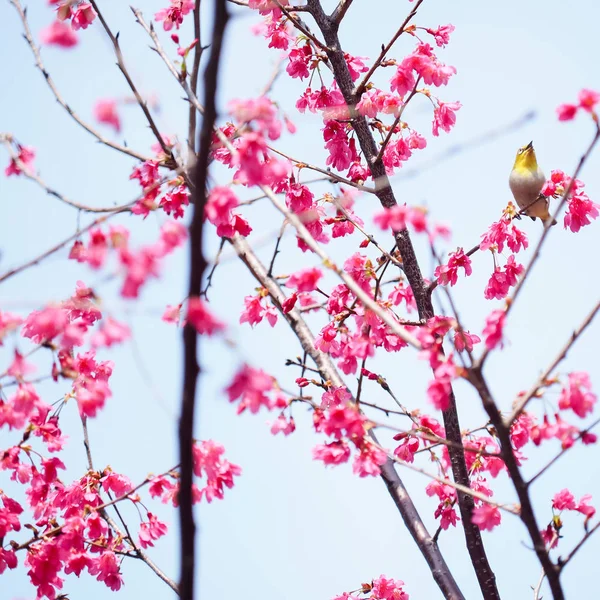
(520, 150)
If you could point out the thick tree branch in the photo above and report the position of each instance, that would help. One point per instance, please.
(197, 267)
(520, 485)
(485, 575)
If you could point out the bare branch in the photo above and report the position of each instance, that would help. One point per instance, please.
(40, 65)
(522, 402)
(141, 102)
(362, 85)
(7, 140)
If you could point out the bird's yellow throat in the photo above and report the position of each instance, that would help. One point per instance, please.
(525, 161)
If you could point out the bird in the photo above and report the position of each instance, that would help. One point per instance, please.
(526, 182)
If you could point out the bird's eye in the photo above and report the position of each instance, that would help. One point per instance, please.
(520, 151)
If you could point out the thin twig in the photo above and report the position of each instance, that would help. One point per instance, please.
(141, 102)
(522, 402)
(40, 65)
(304, 165)
(397, 120)
(361, 87)
(7, 140)
(198, 50)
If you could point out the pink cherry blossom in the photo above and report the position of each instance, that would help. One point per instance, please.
(173, 15)
(83, 16)
(306, 280)
(202, 319)
(577, 395)
(486, 516)
(8, 324)
(151, 530)
(25, 156)
(110, 332)
(219, 472)
(448, 274)
(492, 332)
(105, 111)
(250, 386)
(388, 589)
(566, 112)
(465, 340)
(444, 116)
(333, 453)
(588, 99)
(563, 500)
(58, 34)
(172, 314)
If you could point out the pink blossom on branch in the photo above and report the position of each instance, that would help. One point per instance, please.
(25, 156)
(174, 14)
(448, 274)
(577, 395)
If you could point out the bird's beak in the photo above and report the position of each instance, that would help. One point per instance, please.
(529, 146)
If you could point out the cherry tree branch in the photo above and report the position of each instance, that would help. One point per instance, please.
(198, 51)
(329, 29)
(7, 140)
(190, 335)
(563, 563)
(141, 102)
(101, 509)
(334, 176)
(40, 65)
(426, 544)
(59, 246)
(527, 515)
(340, 10)
(522, 402)
(396, 121)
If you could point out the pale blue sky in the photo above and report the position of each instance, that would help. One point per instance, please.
(290, 528)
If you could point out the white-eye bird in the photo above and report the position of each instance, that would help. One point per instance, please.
(526, 182)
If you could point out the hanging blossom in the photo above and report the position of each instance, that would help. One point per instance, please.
(580, 209)
(25, 156)
(173, 15)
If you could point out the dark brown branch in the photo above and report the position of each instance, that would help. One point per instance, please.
(485, 575)
(340, 11)
(197, 267)
(521, 486)
(584, 539)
